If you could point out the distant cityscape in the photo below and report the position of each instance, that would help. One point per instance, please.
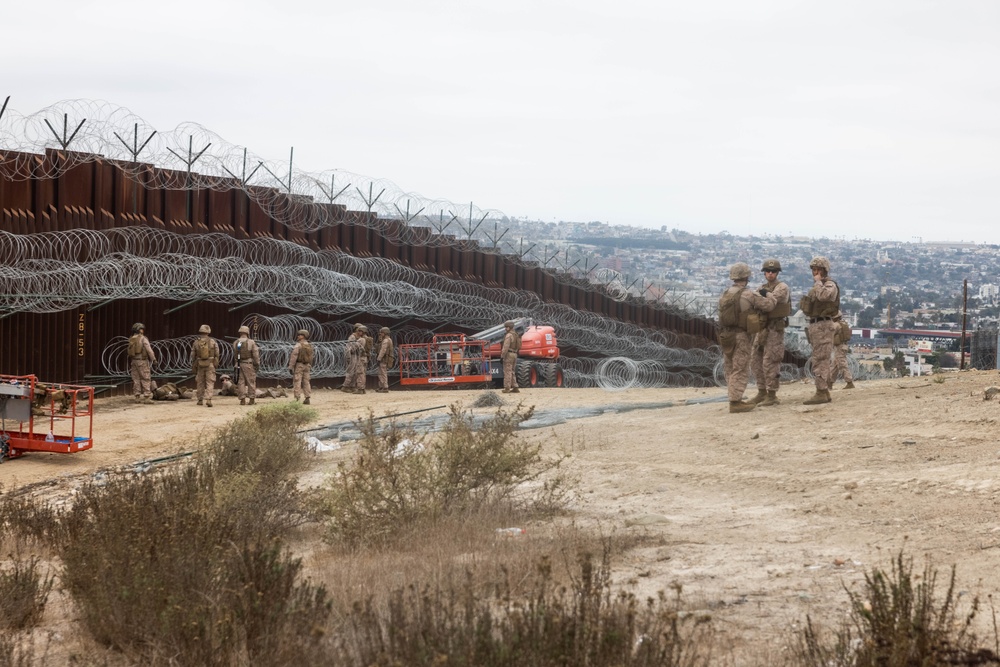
(902, 284)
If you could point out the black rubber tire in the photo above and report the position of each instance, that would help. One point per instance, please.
(522, 372)
(551, 374)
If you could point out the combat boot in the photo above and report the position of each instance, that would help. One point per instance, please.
(772, 399)
(306, 402)
(515, 390)
(761, 395)
(208, 403)
(253, 400)
(347, 390)
(505, 391)
(849, 385)
(243, 401)
(821, 396)
(740, 406)
(200, 402)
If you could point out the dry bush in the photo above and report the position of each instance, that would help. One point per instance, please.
(401, 479)
(27, 518)
(24, 590)
(186, 565)
(899, 620)
(584, 623)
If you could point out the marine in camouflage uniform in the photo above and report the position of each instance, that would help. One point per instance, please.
(357, 345)
(384, 358)
(300, 363)
(768, 347)
(247, 355)
(141, 360)
(733, 336)
(361, 371)
(822, 306)
(204, 360)
(350, 369)
(508, 352)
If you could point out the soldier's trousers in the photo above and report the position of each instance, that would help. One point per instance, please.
(383, 375)
(300, 381)
(360, 378)
(248, 380)
(840, 366)
(821, 339)
(509, 371)
(736, 362)
(141, 378)
(765, 359)
(205, 382)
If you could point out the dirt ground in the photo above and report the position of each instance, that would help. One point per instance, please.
(762, 517)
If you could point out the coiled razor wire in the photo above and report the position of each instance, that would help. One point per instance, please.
(192, 157)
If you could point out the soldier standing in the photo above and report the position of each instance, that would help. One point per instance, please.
(300, 363)
(384, 358)
(248, 359)
(740, 317)
(822, 306)
(768, 347)
(204, 359)
(349, 368)
(360, 352)
(141, 360)
(508, 352)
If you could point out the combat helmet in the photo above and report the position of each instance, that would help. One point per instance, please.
(204, 328)
(509, 324)
(362, 328)
(771, 265)
(138, 326)
(739, 271)
(302, 332)
(384, 330)
(244, 329)
(820, 262)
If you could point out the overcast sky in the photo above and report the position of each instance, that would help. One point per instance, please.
(856, 118)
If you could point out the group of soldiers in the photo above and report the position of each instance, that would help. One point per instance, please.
(205, 359)
(751, 333)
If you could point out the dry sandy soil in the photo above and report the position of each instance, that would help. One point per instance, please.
(761, 517)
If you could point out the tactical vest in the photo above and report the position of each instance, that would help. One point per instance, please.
(305, 353)
(135, 346)
(243, 350)
(729, 309)
(515, 342)
(814, 308)
(203, 349)
(368, 344)
(782, 310)
(390, 353)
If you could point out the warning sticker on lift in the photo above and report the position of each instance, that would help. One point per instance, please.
(447, 379)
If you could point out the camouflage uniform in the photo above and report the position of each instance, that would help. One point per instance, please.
(508, 352)
(825, 297)
(384, 358)
(140, 365)
(204, 359)
(356, 379)
(247, 355)
(840, 366)
(768, 347)
(364, 356)
(300, 363)
(734, 339)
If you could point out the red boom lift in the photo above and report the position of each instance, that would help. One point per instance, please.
(457, 358)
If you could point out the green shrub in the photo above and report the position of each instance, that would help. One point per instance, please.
(399, 477)
(585, 624)
(899, 620)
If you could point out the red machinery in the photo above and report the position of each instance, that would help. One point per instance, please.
(46, 416)
(447, 359)
(456, 358)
